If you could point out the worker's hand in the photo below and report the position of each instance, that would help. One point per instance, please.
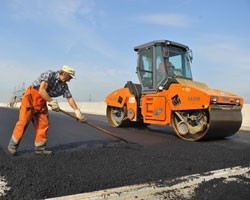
(54, 105)
(80, 116)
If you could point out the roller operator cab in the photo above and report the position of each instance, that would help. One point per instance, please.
(167, 94)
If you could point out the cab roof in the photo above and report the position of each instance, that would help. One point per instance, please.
(160, 42)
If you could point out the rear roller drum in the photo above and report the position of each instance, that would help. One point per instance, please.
(116, 116)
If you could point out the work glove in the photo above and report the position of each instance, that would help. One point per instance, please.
(54, 105)
(80, 116)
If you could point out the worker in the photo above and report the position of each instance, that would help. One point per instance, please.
(45, 88)
(164, 69)
(168, 65)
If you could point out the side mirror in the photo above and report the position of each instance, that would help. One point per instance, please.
(190, 55)
(165, 52)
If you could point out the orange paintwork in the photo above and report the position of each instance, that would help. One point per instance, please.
(118, 98)
(122, 97)
(156, 108)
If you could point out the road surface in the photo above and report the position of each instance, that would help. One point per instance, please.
(87, 160)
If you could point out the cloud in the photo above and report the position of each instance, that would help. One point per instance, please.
(98, 81)
(222, 61)
(14, 76)
(171, 19)
(225, 50)
(72, 24)
(55, 10)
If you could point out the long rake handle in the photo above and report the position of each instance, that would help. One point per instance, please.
(94, 126)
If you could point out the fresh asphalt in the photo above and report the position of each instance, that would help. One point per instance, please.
(87, 160)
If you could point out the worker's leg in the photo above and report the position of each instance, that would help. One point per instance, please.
(21, 125)
(25, 115)
(41, 125)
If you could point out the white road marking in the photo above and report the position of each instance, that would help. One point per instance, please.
(3, 187)
(180, 187)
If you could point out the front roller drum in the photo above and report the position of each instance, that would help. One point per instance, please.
(225, 121)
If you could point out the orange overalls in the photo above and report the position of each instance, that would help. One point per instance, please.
(33, 108)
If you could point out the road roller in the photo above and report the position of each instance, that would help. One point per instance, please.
(167, 95)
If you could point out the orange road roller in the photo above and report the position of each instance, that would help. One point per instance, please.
(168, 95)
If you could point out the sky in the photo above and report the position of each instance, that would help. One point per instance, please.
(97, 38)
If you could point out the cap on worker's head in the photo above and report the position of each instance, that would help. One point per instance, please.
(69, 70)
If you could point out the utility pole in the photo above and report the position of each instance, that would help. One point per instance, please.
(90, 98)
(17, 95)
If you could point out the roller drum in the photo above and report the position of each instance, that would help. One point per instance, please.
(224, 121)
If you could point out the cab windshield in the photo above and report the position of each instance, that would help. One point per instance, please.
(175, 63)
(180, 60)
(157, 64)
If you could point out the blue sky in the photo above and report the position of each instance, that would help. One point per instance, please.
(97, 38)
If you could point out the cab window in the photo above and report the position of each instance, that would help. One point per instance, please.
(146, 67)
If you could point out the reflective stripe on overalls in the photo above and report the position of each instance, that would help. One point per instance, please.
(33, 108)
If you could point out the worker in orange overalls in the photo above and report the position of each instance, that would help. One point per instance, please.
(34, 107)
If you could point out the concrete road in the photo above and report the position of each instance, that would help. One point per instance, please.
(88, 160)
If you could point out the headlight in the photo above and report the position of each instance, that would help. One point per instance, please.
(214, 99)
(237, 101)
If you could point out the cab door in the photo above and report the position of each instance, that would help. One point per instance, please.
(153, 102)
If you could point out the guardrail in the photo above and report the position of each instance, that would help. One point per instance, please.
(99, 108)
(246, 117)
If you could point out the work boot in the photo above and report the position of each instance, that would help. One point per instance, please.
(12, 150)
(12, 147)
(41, 150)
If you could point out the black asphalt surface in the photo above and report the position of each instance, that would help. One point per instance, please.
(87, 160)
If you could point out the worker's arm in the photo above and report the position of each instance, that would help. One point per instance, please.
(77, 111)
(52, 102)
(72, 103)
(43, 92)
